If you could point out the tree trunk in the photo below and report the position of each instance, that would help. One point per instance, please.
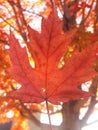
(70, 117)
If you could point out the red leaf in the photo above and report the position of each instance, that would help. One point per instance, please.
(47, 82)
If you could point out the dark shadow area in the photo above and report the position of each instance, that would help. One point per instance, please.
(5, 126)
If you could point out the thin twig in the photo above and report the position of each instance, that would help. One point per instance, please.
(19, 17)
(85, 18)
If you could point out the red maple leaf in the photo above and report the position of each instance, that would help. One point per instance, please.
(48, 82)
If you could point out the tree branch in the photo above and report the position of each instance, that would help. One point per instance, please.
(92, 123)
(19, 17)
(85, 18)
(30, 115)
(93, 101)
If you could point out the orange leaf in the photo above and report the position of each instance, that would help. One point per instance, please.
(21, 124)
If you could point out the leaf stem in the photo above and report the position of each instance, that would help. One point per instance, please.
(47, 107)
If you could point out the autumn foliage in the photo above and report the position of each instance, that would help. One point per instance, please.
(45, 62)
(47, 80)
